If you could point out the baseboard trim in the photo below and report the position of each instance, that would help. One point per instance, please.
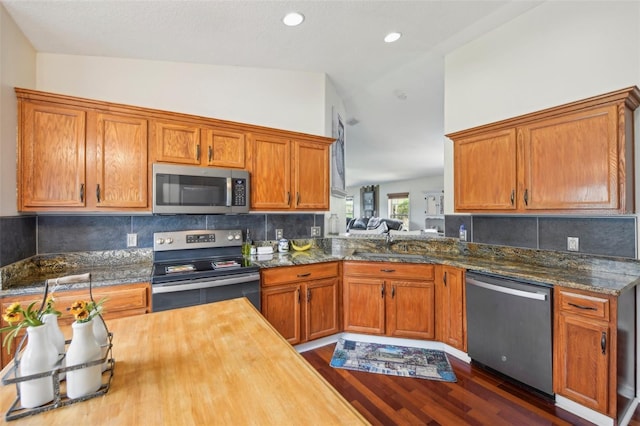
(584, 412)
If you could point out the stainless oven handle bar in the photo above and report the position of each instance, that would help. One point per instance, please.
(203, 283)
(507, 290)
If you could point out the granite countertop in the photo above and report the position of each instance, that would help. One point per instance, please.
(610, 276)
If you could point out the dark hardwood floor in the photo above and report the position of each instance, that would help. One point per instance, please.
(477, 398)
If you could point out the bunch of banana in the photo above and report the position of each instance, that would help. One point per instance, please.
(296, 247)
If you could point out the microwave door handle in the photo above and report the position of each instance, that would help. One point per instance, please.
(229, 191)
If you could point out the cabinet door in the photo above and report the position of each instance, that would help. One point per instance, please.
(121, 161)
(177, 143)
(581, 363)
(485, 171)
(364, 305)
(321, 308)
(410, 309)
(224, 148)
(281, 307)
(271, 173)
(51, 157)
(311, 176)
(451, 315)
(571, 162)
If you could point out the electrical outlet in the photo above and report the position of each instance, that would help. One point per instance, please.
(279, 234)
(573, 243)
(315, 231)
(132, 240)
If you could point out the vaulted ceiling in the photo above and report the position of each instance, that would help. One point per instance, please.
(393, 92)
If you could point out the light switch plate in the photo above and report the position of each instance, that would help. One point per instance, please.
(132, 240)
(279, 234)
(573, 243)
(315, 231)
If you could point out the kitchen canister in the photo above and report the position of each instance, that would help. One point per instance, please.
(283, 245)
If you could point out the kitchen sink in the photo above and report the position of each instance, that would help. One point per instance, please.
(376, 255)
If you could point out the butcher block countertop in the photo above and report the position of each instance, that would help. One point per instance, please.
(218, 363)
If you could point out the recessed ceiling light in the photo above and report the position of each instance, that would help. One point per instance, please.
(391, 37)
(292, 19)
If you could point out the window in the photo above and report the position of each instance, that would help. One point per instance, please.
(399, 207)
(349, 207)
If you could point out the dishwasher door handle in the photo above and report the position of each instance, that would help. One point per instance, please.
(507, 290)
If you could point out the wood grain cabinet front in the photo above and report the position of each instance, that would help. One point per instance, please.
(392, 299)
(179, 142)
(289, 174)
(573, 158)
(451, 311)
(73, 158)
(585, 349)
(120, 301)
(302, 302)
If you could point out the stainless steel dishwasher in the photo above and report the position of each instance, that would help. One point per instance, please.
(509, 327)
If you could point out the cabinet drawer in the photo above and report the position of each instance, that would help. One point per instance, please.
(390, 269)
(276, 276)
(584, 305)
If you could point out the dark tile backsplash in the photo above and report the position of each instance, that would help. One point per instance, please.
(606, 236)
(25, 236)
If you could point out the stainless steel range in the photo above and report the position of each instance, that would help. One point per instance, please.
(201, 266)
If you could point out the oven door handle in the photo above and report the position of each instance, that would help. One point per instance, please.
(203, 283)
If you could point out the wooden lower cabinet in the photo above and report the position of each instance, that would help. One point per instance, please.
(585, 349)
(451, 311)
(121, 301)
(392, 299)
(302, 302)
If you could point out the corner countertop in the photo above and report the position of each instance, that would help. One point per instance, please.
(222, 363)
(611, 276)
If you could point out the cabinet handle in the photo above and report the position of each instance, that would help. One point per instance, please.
(526, 197)
(210, 154)
(586, 308)
(98, 192)
(298, 296)
(393, 291)
(198, 152)
(288, 198)
(387, 270)
(444, 279)
(308, 295)
(603, 343)
(82, 192)
(513, 196)
(303, 275)
(382, 290)
(297, 198)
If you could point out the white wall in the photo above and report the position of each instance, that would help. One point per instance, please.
(558, 52)
(416, 189)
(17, 68)
(289, 100)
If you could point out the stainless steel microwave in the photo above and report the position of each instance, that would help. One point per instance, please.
(199, 190)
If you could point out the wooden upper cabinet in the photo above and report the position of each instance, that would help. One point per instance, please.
(51, 156)
(289, 174)
(177, 143)
(572, 158)
(224, 148)
(186, 143)
(485, 171)
(121, 161)
(310, 175)
(571, 162)
(271, 173)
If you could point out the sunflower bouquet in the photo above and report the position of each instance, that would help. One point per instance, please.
(18, 317)
(84, 311)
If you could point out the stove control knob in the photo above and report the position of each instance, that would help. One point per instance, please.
(230, 237)
(169, 240)
(160, 241)
(237, 236)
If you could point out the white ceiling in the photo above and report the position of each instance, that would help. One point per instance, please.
(394, 139)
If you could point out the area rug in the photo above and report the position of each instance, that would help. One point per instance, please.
(393, 360)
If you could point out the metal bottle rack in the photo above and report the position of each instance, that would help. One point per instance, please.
(60, 398)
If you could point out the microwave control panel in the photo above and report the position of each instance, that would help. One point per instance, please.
(239, 192)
